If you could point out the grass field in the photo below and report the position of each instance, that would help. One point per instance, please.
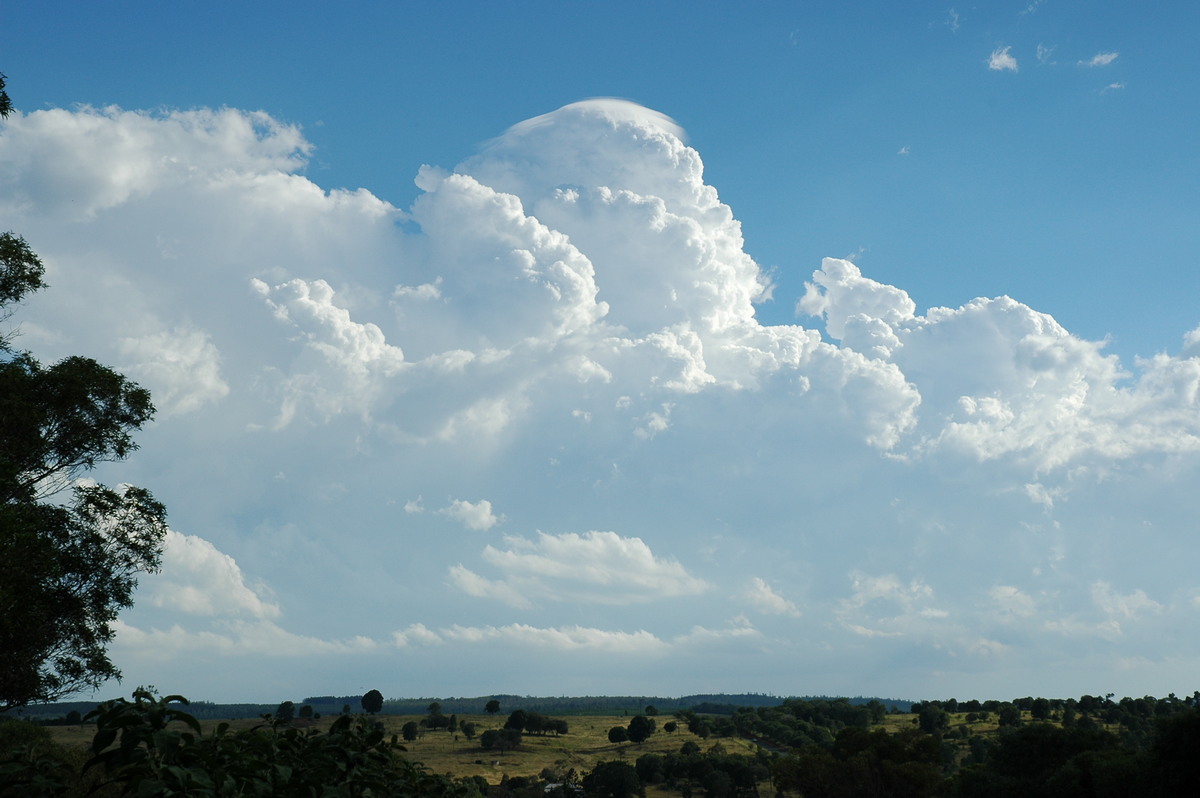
(581, 748)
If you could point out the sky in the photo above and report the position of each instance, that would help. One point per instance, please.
(574, 348)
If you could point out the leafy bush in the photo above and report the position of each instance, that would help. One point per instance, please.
(151, 748)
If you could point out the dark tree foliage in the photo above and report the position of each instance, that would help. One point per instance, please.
(372, 702)
(67, 567)
(5, 103)
(613, 780)
(152, 747)
(640, 728)
(286, 712)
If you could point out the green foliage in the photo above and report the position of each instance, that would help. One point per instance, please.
(21, 273)
(613, 780)
(5, 103)
(66, 568)
(372, 702)
(640, 728)
(151, 747)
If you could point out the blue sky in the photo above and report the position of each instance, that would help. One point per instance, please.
(583, 392)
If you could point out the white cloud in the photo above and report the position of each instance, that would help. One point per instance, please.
(1100, 59)
(181, 368)
(595, 567)
(198, 579)
(568, 322)
(1044, 54)
(764, 597)
(562, 639)
(884, 606)
(1012, 603)
(1001, 59)
(477, 516)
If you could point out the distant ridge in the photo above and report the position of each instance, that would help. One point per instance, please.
(704, 703)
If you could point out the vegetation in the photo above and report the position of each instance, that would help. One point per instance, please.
(1089, 746)
(67, 565)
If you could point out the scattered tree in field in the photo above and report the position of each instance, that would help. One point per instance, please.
(372, 702)
(285, 712)
(640, 728)
(345, 709)
(492, 707)
(670, 727)
(618, 735)
(435, 708)
(468, 730)
(500, 739)
(651, 710)
(517, 720)
(410, 730)
(306, 711)
(67, 566)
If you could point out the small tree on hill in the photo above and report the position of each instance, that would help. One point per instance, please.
(372, 702)
(492, 707)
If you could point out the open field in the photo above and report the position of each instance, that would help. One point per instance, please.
(585, 744)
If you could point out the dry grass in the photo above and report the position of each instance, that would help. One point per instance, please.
(442, 752)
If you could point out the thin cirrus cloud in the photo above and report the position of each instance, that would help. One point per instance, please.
(1100, 59)
(577, 339)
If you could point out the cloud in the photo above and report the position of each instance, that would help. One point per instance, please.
(567, 323)
(1100, 59)
(884, 606)
(595, 567)
(762, 596)
(477, 516)
(181, 367)
(1044, 54)
(1001, 59)
(197, 579)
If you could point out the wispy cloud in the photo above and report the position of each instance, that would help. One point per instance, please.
(1100, 59)
(952, 21)
(1044, 54)
(1112, 87)
(1001, 59)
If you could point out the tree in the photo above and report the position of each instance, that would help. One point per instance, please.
(640, 727)
(410, 730)
(67, 567)
(516, 720)
(5, 103)
(285, 712)
(618, 735)
(613, 780)
(492, 707)
(372, 702)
